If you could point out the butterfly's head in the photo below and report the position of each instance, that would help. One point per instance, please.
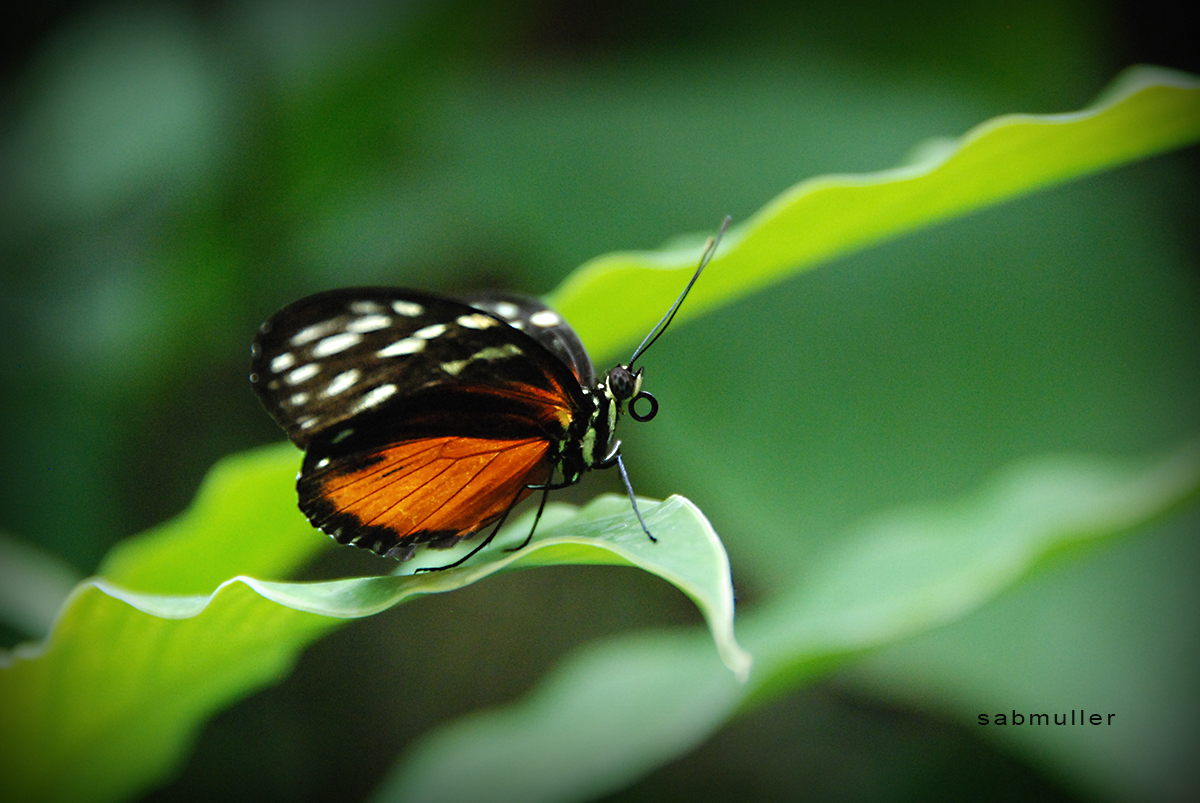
(625, 386)
(624, 383)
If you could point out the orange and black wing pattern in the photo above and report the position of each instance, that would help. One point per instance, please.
(432, 491)
(424, 419)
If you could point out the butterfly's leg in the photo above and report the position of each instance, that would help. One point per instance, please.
(614, 458)
(541, 506)
(545, 488)
(632, 500)
(485, 542)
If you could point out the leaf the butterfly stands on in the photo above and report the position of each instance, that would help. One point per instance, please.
(426, 419)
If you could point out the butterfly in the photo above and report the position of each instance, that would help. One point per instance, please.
(425, 419)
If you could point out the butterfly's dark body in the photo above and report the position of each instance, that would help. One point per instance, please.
(425, 419)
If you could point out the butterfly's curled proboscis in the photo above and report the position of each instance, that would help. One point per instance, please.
(426, 419)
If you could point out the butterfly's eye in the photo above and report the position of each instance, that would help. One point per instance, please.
(623, 383)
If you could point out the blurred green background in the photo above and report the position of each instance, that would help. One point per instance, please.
(174, 173)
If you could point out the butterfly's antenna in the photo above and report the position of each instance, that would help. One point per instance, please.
(661, 326)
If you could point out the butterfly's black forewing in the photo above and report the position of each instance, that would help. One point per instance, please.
(336, 355)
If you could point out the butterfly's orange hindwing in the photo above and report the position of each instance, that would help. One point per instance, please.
(433, 491)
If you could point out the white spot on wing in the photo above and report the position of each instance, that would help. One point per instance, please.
(490, 353)
(409, 309)
(282, 362)
(409, 345)
(506, 309)
(497, 352)
(336, 343)
(324, 461)
(341, 436)
(431, 331)
(376, 396)
(546, 317)
(308, 422)
(303, 373)
(298, 399)
(341, 382)
(369, 323)
(366, 307)
(310, 333)
(476, 320)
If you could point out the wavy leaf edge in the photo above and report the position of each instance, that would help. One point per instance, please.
(358, 597)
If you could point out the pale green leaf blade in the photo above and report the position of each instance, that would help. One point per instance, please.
(1145, 111)
(920, 567)
(688, 555)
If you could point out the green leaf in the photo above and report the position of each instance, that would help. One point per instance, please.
(647, 700)
(917, 568)
(1146, 110)
(688, 554)
(127, 677)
